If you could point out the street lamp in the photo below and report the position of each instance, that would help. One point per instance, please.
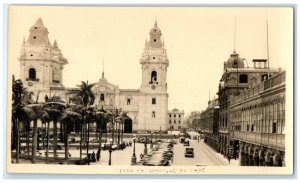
(145, 150)
(110, 150)
(151, 143)
(133, 158)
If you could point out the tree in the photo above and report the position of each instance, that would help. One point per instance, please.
(69, 119)
(34, 112)
(54, 108)
(100, 122)
(20, 98)
(82, 99)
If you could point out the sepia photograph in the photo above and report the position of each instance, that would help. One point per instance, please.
(150, 90)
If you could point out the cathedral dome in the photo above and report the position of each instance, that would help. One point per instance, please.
(234, 61)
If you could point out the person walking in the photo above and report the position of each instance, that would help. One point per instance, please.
(228, 157)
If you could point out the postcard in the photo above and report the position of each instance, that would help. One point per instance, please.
(150, 90)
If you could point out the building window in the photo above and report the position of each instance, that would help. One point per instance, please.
(55, 76)
(170, 115)
(252, 128)
(102, 97)
(153, 100)
(179, 121)
(128, 101)
(174, 121)
(32, 74)
(248, 127)
(174, 115)
(170, 121)
(153, 114)
(179, 115)
(154, 40)
(243, 78)
(274, 129)
(264, 77)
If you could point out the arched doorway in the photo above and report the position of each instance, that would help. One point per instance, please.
(128, 125)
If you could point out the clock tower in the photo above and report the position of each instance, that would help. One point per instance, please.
(154, 97)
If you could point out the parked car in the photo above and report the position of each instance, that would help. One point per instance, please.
(189, 152)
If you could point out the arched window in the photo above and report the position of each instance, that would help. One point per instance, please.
(243, 78)
(32, 74)
(153, 77)
(102, 97)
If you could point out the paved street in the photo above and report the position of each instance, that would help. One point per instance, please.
(203, 155)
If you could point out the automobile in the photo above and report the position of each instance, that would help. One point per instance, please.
(189, 152)
(106, 146)
(181, 139)
(186, 142)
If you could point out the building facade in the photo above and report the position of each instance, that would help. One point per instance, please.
(257, 118)
(176, 119)
(236, 78)
(41, 69)
(209, 124)
(42, 64)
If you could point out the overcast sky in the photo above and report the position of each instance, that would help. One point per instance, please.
(198, 41)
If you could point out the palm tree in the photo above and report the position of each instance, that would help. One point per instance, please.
(54, 108)
(82, 99)
(20, 98)
(69, 119)
(123, 118)
(87, 98)
(100, 117)
(34, 113)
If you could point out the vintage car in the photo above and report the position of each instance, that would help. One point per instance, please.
(189, 152)
(186, 142)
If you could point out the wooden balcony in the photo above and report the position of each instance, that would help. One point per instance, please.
(272, 140)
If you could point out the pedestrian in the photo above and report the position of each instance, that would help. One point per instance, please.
(89, 158)
(93, 157)
(98, 155)
(141, 156)
(228, 158)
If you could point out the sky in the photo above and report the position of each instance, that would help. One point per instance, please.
(198, 40)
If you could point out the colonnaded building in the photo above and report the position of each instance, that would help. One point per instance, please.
(41, 70)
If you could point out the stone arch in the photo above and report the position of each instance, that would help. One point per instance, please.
(278, 159)
(102, 97)
(128, 125)
(269, 159)
(153, 77)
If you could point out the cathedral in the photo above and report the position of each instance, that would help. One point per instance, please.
(41, 70)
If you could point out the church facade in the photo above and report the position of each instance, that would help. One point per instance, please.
(41, 70)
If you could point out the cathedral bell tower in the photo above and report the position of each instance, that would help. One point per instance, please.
(41, 63)
(154, 63)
